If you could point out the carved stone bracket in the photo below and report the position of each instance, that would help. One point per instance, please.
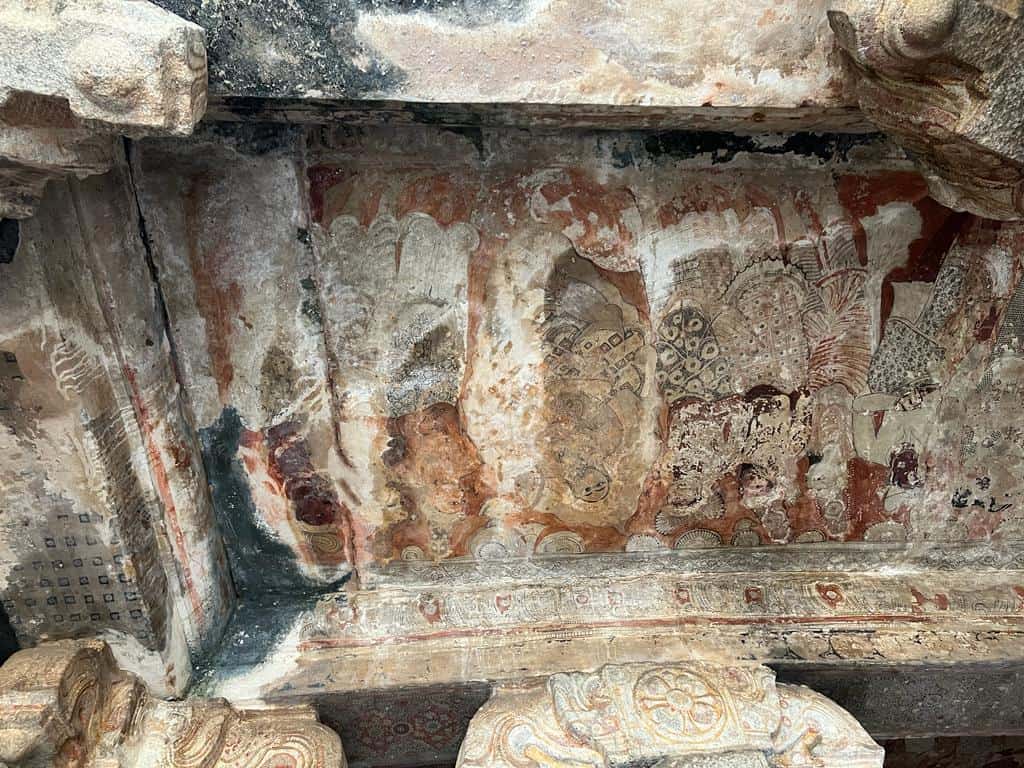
(693, 714)
(67, 704)
(76, 73)
(946, 80)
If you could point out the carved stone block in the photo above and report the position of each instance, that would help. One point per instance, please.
(693, 715)
(945, 79)
(76, 72)
(30, 157)
(126, 66)
(67, 704)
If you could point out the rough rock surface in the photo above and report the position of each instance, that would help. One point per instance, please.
(107, 526)
(944, 78)
(129, 66)
(76, 72)
(760, 55)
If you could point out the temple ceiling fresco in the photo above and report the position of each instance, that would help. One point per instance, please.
(408, 383)
(506, 345)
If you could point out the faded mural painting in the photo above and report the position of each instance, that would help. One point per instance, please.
(429, 345)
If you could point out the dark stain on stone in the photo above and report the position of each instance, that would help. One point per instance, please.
(472, 134)
(724, 147)
(257, 627)
(253, 138)
(259, 562)
(11, 382)
(462, 13)
(314, 44)
(10, 237)
(904, 467)
(8, 641)
(315, 502)
(311, 301)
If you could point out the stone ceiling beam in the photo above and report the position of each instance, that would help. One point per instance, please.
(883, 642)
(759, 65)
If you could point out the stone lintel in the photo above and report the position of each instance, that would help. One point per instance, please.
(858, 626)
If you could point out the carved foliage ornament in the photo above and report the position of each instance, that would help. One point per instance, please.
(692, 714)
(946, 80)
(67, 704)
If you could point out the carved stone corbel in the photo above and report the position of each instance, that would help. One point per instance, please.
(76, 74)
(946, 80)
(68, 705)
(695, 715)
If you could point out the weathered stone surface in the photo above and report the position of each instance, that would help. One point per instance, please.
(388, 640)
(68, 704)
(944, 79)
(111, 64)
(434, 411)
(967, 752)
(75, 72)
(602, 344)
(241, 288)
(381, 338)
(744, 61)
(921, 700)
(107, 527)
(638, 714)
(30, 157)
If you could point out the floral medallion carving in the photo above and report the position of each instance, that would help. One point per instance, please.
(692, 714)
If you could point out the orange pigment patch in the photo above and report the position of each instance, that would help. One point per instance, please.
(441, 196)
(596, 208)
(218, 296)
(433, 464)
(863, 500)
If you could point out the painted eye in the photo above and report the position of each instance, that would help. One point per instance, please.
(694, 325)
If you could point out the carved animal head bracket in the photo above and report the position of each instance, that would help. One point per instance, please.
(693, 715)
(67, 704)
(944, 79)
